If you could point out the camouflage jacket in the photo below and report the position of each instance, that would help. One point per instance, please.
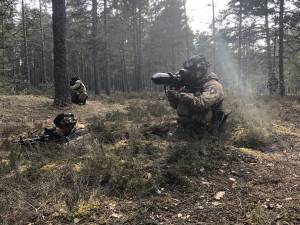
(79, 88)
(77, 131)
(197, 106)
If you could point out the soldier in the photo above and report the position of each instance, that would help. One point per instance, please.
(78, 91)
(66, 126)
(200, 107)
(66, 130)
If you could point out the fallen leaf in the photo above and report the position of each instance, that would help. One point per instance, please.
(76, 220)
(112, 206)
(205, 183)
(216, 203)
(148, 176)
(234, 185)
(186, 217)
(116, 215)
(199, 206)
(219, 195)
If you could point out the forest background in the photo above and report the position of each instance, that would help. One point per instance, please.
(117, 45)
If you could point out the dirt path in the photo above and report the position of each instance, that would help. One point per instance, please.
(16, 110)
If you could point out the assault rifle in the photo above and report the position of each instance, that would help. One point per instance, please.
(31, 141)
(49, 136)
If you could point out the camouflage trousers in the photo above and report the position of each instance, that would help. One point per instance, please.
(78, 98)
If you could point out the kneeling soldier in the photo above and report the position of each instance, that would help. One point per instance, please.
(200, 107)
(78, 91)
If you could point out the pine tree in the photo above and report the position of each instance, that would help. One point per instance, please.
(62, 96)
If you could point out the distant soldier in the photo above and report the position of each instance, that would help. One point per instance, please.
(200, 106)
(78, 91)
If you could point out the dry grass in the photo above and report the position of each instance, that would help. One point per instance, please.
(136, 169)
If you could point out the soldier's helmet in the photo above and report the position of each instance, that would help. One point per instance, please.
(64, 120)
(197, 63)
(73, 80)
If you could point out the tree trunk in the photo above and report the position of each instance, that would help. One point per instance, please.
(61, 84)
(240, 47)
(214, 36)
(186, 31)
(281, 49)
(2, 40)
(135, 46)
(95, 45)
(106, 59)
(125, 87)
(140, 74)
(274, 49)
(173, 59)
(26, 61)
(271, 75)
(268, 39)
(44, 77)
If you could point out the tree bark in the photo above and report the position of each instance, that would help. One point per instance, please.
(240, 19)
(26, 61)
(61, 84)
(125, 87)
(268, 39)
(95, 45)
(135, 45)
(271, 75)
(214, 36)
(2, 39)
(281, 49)
(106, 59)
(44, 77)
(140, 73)
(186, 31)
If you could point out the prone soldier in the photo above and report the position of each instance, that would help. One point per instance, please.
(66, 129)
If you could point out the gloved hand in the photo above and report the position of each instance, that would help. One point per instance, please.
(186, 98)
(173, 97)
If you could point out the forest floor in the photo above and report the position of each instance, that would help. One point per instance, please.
(138, 168)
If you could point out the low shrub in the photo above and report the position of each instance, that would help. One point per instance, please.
(252, 137)
(106, 132)
(192, 158)
(120, 172)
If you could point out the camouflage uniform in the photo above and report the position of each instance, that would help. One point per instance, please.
(66, 128)
(77, 131)
(78, 92)
(196, 107)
